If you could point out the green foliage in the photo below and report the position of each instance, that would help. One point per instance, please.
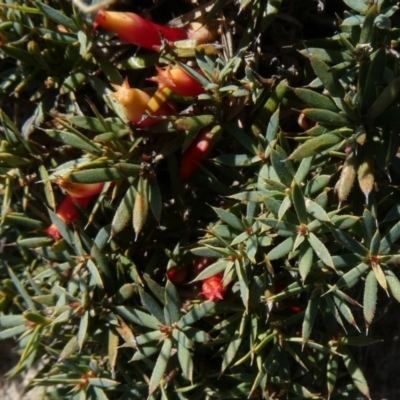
(303, 250)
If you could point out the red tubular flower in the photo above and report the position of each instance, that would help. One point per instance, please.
(197, 152)
(137, 30)
(141, 32)
(68, 213)
(213, 288)
(178, 81)
(135, 102)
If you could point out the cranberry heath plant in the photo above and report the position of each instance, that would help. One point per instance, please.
(212, 215)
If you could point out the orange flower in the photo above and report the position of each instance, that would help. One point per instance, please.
(137, 30)
(135, 102)
(178, 81)
(144, 33)
(212, 288)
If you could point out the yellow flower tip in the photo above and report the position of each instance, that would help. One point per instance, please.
(164, 79)
(133, 100)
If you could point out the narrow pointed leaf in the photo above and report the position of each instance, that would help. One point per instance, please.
(351, 244)
(161, 366)
(315, 99)
(172, 303)
(185, 361)
(124, 212)
(370, 298)
(282, 249)
(329, 81)
(309, 318)
(229, 218)
(299, 204)
(380, 275)
(393, 285)
(320, 250)
(351, 277)
(354, 371)
(306, 259)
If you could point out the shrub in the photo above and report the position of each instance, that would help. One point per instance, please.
(230, 225)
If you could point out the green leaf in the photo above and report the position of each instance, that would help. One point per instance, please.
(389, 239)
(95, 175)
(185, 361)
(282, 249)
(138, 317)
(315, 99)
(354, 371)
(241, 137)
(303, 169)
(160, 366)
(229, 218)
(345, 310)
(385, 99)
(315, 145)
(361, 6)
(231, 351)
(370, 298)
(283, 207)
(375, 243)
(103, 383)
(374, 79)
(332, 372)
(243, 282)
(315, 210)
(21, 290)
(320, 250)
(124, 212)
(393, 284)
(309, 318)
(196, 313)
(13, 332)
(351, 244)
(305, 260)
(278, 162)
(351, 277)
(326, 117)
(56, 16)
(270, 107)
(329, 81)
(20, 54)
(213, 269)
(172, 304)
(273, 127)
(299, 204)
(368, 25)
(82, 332)
(73, 139)
(152, 306)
